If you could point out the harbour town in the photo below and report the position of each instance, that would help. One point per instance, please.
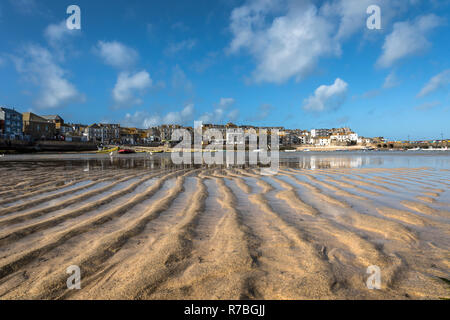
(29, 132)
(225, 154)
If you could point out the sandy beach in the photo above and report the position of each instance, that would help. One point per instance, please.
(223, 233)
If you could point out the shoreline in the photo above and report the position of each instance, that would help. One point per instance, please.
(332, 148)
(90, 149)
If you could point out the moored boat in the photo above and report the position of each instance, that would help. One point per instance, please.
(108, 150)
(126, 151)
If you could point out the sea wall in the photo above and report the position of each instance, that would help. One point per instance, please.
(45, 146)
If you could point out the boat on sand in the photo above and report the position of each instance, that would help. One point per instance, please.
(126, 151)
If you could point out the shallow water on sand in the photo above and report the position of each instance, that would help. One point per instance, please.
(140, 227)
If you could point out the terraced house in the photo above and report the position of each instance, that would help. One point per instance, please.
(93, 133)
(110, 132)
(37, 127)
(10, 123)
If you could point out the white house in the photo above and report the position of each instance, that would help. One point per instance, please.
(344, 137)
(320, 133)
(322, 141)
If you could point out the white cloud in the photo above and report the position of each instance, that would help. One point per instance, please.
(327, 97)
(59, 37)
(179, 117)
(408, 38)
(176, 47)
(143, 119)
(391, 81)
(39, 66)
(438, 81)
(128, 86)
(351, 14)
(55, 33)
(116, 54)
(136, 120)
(221, 112)
(262, 113)
(226, 102)
(180, 80)
(287, 38)
(290, 46)
(427, 105)
(233, 115)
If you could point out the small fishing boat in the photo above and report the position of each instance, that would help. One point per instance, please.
(126, 151)
(108, 150)
(290, 150)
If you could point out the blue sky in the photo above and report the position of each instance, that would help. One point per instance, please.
(298, 64)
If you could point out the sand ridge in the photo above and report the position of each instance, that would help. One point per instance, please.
(225, 233)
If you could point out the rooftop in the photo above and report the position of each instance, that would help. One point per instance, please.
(52, 117)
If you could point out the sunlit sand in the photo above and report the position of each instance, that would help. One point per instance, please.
(151, 232)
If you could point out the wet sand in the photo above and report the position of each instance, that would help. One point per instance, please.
(223, 233)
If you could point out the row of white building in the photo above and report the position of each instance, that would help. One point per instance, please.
(335, 136)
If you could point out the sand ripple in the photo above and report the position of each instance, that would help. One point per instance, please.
(216, 233)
